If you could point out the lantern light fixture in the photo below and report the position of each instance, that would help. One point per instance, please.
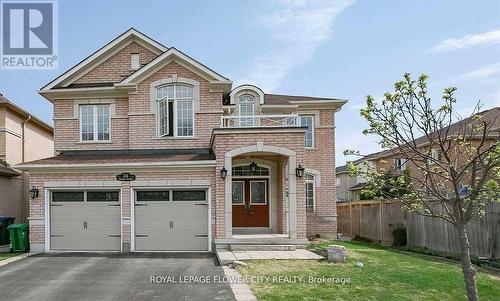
(299, 171)
(223, 172)
(33, 192)
(253, 167)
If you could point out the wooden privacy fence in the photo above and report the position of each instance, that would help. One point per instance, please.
(376, 220)
(369, 219)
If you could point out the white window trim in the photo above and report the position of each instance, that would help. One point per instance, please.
(174, 79)
(313, 118)
(313, 182)
(243, 203)
(96, 119)
(337, 181)
(174, 101)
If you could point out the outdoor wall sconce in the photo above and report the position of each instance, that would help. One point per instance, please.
(253, 167)
(223, 172)
(299, 171)
(33, 192)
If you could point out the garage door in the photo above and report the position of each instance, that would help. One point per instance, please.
(171, 220)
(85, 221)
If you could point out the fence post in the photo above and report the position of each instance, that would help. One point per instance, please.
(360, 209)
(380, 236)
(350, 218)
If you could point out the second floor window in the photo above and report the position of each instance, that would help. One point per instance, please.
(399, 164)
(94, 123)
(175, 110)
(308, 121)
(246, 109)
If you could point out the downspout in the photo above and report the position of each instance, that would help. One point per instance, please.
(23, 125)
(24, 208)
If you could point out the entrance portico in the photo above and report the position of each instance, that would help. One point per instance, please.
(266, 205)
(282, 207)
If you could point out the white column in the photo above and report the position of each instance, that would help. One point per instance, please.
(228, 192)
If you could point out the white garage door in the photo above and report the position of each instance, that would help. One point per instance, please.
(85, 221)
(171, 220)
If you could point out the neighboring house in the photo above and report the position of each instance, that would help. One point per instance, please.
(389, 160)
(157, 152)
(23, 137)
(343, 183)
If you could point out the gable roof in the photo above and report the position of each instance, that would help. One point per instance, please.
(341, 169)
(165, 57)
(12, 106)
(122, 40)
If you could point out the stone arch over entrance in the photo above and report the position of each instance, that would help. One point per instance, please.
(260, 147)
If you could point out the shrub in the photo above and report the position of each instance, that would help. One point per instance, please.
(399, 236)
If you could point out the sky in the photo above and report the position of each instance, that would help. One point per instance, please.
(344, 49)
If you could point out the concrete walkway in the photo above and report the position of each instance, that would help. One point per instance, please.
(228, 256)
(241, 290)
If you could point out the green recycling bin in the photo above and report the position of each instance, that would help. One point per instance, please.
(5, 221)
(18, 237)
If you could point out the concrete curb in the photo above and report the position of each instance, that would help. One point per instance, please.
(241, 291)
(15, 258)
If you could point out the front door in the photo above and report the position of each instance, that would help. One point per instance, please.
(250, 203)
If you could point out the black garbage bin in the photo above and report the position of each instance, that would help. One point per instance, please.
(5, 221)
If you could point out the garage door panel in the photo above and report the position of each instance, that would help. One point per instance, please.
(171, 244)
(171, 225)
(85, 243)
(85, 226)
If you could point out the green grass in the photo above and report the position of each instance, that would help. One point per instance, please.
(5, 255)
(387, 275)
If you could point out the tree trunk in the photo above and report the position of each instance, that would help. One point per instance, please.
(468, 269)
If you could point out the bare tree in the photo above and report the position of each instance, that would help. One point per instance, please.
(454, 160)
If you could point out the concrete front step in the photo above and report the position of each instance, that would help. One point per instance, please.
(300, 243)
(226, 256)
(248, 247)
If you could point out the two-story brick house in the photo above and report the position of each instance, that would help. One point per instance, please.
(157, 152)
(23, 137)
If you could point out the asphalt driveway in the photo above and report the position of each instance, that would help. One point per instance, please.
(113, 277)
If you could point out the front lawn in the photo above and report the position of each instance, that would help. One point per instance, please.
(387, 275)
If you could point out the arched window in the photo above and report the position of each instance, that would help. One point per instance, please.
(246, 108)
(244, 170)
(175, 110)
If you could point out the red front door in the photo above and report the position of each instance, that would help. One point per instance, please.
(250, 203)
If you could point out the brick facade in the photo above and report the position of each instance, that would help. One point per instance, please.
(133, 127)
(100, 180)
(322, 158)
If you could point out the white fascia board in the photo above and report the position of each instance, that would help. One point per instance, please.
(136, 165)
(165, 56)
(72, 93)
(103, 50)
